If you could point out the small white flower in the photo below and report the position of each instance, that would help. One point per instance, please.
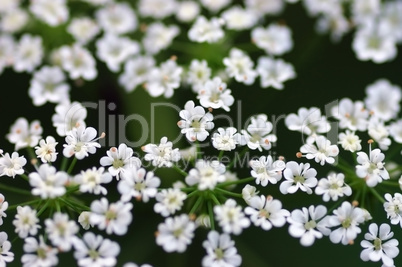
(169, 201)
(258, 134)
(159, 37)
(7, 45)
(94, 250)
(379, 245)
(371, 167)
(46, 150)
(215, 5)
(274, 72)
(305, 224)
(351, 115)
(379, 132)
(220, 251)
(237, 18)
(263, 7)
(26, 222)
(207, 174)
(157, 9)
(350, 141)
(266, 212)
(23, 134)
(333, 187)
(164, 80)
(198, 74)
(83, 219)
(12, 165)
(28, 53)
(240, 66)
(265, 170)
(90, 180)
(114, 217)
(206, 31)
(14, 20)
(393, 207)
(5, 255)
(68, 116)
(83, 29)
(162, 154)
(298, 176)
(138, 184)
(81, 142)
(214, 94)
(78, 62)
(38, 253)
(195, 122)
(323, 152)
(308, 121)
(248, 192)
(175, 233)
(52, 12)
(117, 18)
(225, 139)
(231, 217)
(47, 182)
(61, 231)
(395, 130)
(120, 159)
(187, 11)
(347, 218)
(3, 207)
(136, 72)
(275, 39)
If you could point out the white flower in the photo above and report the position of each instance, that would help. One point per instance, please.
(38, 254)
(135, 183)
(383, 99)
(5, 255)
(351, 115)
(47, 182)
(379, 245)
(215, 5)
(333, 187)
(274, 72)
(28, 53)
(169, 200)
(263, 7)
(364, 11)
(114, 217)
(12, 166)
(175, 233)
(163, 80)
(23, 134)
(159, 37)
(46, 150)
(275, 39)
(120, 159)
(393, 207)
(298, 176)
(379, 132)
(305, 224)
(323, 152)
(26, 222)
(14, 20)
(136, 72)
(220, 251)
(391, 19)
(265, 170)
(237, 18)
(248, 192)
(395, 130)
(7, 45)
(81, 142)
(225, 139)
(78, 62)
(114, 50)
(162, 154)
(83, 219)
(52, 12)
(240, 66)
(258, 134)
(206, 31)
(198, 74)
(215, 94)
(231, 217)
(83, 29)
(371, 167)
(48, 84)
(187, 11)
(7, 5)
(207, 174)
(3, 207)
(94, 250)
(61, 231)
(266, 212)
(90, 180)
(68, 116)
(117, 18)
(350, 141)
(308, 121)
(195, 122)
(347, 218)
(157, 9)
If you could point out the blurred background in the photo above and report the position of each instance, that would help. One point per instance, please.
(326, 72)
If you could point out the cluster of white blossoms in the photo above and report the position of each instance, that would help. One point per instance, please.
(229, 177)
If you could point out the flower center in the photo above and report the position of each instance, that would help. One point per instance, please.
(118, 163)
(93, 254)
(310, 225)
(41, 252)
(377, 244)
(219, 253)
(346, 223)
(299, 179)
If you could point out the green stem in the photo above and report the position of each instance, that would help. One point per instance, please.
(64, 162)
(44, 207)
(391, 183)
(228, 192)
(211, 215)
(70, 169)
(25, 177)
(31, 153)
(377, 195)
(221, 154)
(176, 168)
(192, 193)
(214, 199)
(241, 154)
(196, 205)
(11, 207)
(240, 181)
(15, 190)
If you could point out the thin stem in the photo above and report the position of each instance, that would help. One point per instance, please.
(15, 190)
(211, 215)
(70, 169)
(192, 193)
(391, 183)
(240, 181)
(25, 177)
(11, 207)
(228, 192)
(44, 207)
(182, 172)
(64, 162)
(221, 154)
(214, 199)
(196, 205)
(377, 195)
